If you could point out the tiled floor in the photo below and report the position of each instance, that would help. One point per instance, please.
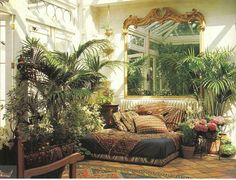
(205, 167)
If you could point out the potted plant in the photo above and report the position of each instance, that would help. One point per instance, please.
(213, 76)
(49, 103)
(226, 148)
(105, 96)
(188, 140)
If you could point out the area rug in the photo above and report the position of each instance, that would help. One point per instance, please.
(91, 171)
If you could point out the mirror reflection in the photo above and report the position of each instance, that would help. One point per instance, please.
(155, 52)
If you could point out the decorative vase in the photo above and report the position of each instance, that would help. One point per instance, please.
(187, 151)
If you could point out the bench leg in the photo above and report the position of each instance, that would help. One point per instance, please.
(72, 170)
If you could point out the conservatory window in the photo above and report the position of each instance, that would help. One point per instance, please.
(50, 10)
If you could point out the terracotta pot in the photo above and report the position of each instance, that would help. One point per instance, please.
(187, 151)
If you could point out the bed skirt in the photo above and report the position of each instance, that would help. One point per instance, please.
(137, 160)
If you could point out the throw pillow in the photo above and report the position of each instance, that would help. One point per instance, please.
(128, 119)
(150, 124)
(117, 121)
(155, 108)
(174, 117)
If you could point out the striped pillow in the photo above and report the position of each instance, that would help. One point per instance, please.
(174, 118)
(117, 121)
(150, 124)
(128, 120)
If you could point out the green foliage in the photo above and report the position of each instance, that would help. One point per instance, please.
(87, 119)
(5, 137)
(228, 150)
(188, 134)
(135, 76)
(105, 97)
(172, 70)
(52, 87)
(214, 77)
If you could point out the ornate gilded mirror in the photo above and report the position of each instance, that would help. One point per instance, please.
(154, 48)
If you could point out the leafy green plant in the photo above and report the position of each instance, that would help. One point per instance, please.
(88, 119)
(228, 150)
(105, 97)
(213, 77)
(188, 134)
(52, 87)
(5, 137)
(135, 76)
(173, 72)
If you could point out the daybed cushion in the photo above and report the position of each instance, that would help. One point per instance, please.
(150, 124)
(120, 143)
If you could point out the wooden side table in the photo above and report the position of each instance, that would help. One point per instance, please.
(106, 112)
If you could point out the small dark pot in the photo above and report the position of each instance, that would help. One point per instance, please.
(187, 151)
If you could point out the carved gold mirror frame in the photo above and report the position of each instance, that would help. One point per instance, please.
(161, 15)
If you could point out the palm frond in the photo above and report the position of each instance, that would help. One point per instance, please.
(95, 64)
(92, 47)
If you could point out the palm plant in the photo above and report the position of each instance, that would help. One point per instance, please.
(50, 82)
(214, 79)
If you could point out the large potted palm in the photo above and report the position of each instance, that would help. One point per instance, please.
(49, 103)
(213, 76)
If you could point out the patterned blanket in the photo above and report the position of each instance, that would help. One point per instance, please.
(122, 143)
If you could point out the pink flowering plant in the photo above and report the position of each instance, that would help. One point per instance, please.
(209, 127)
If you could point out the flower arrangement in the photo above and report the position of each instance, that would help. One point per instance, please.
(209, 127)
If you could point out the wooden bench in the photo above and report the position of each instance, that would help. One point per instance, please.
(27, 173)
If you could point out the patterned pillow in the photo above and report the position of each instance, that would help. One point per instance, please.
(150, 124)
(155, 108)
(117, 120)
(128, 119)
(174, 117)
